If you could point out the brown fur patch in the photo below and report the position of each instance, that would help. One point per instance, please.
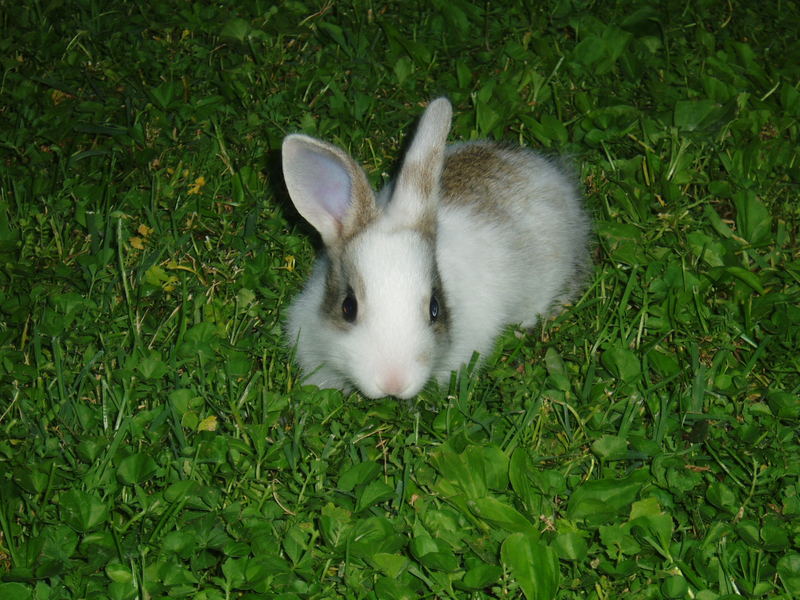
(420, 176)
(426, 227)
(480, 174)
(362, 209)
(422, 179)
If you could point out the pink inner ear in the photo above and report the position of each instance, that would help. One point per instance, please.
(328, 184)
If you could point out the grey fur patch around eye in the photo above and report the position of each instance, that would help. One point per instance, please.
(342, 274)
(441, 326)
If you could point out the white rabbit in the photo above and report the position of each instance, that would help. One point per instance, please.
(468, 239)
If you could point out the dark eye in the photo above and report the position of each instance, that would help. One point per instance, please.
(349, 307)
(434, 309)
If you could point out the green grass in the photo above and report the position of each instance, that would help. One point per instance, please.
(155, 440)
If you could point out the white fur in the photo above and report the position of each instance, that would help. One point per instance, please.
(382, 355)
(496, 267)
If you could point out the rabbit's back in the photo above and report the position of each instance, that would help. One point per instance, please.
(512, 240)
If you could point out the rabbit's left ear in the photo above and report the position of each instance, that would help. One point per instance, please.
(417, 186)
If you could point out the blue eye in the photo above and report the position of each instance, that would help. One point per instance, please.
(434, 308)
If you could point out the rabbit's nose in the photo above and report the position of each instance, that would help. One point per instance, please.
(394, 383)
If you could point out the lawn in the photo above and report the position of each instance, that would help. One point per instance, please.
(156, 439)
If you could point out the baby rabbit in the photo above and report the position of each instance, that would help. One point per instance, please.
(467, 239)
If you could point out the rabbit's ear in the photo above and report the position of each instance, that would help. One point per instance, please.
(327, 187)
(417, 187)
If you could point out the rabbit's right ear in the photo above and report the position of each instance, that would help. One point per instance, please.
(327, 187)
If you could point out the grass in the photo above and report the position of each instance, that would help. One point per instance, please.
(156, 440)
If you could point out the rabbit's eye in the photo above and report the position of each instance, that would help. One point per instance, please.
(349, 307)
(434, 308)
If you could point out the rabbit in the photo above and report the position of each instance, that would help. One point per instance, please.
(468, 238)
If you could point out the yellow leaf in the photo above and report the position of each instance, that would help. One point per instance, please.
(144, 230)
(170, 283)
(57, 96)
(197, 185)
(208, 424)
(136, 242)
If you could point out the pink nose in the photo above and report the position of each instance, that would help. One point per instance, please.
(393, 384)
